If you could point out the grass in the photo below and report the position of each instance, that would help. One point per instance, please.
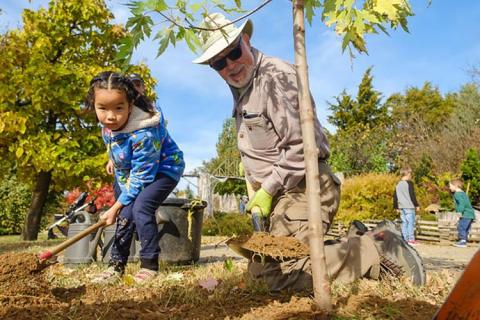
(13, 243)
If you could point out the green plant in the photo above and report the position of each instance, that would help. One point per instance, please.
(471, 173)
(15, 200)
(446, 200)
(227, 224)
(368, 196)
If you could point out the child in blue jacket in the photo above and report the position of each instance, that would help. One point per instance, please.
(147, 164)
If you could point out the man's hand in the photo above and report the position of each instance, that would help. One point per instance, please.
(261, 200)
(109, 167)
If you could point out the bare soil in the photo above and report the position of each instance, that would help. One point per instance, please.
(279, 248)
(30, 291)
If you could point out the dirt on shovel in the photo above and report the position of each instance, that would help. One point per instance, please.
(261, 246)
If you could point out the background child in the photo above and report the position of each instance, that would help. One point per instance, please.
(464, 207)
(405, 202)
(147, 164)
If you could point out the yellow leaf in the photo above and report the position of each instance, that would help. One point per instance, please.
(128, 280)
(19, 152)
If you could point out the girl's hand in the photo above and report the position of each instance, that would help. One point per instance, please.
(111, 214)
(109, 167)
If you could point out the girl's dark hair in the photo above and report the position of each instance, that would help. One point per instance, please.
(113, 80)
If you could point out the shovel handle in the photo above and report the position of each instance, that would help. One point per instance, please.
(49, 253)
(255, 210)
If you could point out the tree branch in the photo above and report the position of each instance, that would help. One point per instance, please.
(191, 26)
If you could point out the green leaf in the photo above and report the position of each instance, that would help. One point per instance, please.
(136, 7)
(309, 13)
(23, 128)
(228, 264)
(192, 40)
(195, 7)
(19, 152)
(359, 24)
(347, 38)
(156, 5)
(164, 38)
(329, 5)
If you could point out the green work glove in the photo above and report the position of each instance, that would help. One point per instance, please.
(262, 200)
(241, 169)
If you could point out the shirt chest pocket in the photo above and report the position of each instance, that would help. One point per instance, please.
(260, 133)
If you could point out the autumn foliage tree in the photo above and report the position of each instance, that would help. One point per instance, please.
(46, 68)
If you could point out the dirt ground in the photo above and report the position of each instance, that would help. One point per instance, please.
(58, 292)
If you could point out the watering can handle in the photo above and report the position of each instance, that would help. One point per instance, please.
(47, 254)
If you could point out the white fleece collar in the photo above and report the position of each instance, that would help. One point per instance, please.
(139, 119)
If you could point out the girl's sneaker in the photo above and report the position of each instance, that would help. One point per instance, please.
(143, 275)
(412, 242)
(108, 276)
(460, 244)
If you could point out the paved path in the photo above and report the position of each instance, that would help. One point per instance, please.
(435, 257)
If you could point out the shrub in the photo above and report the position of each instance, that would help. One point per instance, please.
(471, 174)
(15, 200)
(446, 198)
(104, 195)
(227, 224)
(370, 196)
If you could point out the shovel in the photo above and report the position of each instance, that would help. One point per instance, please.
(67, 243)
(257, 219)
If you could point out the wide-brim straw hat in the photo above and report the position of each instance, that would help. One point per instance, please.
(214, 42)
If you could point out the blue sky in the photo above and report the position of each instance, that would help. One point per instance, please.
(443, 43)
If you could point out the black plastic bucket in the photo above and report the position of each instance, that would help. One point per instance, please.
(180, 228)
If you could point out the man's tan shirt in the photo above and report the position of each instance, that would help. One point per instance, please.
(268, 127)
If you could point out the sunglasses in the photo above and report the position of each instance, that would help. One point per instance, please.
(233, 55)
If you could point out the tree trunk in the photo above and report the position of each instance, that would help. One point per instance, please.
(321, 285)
(39, 197)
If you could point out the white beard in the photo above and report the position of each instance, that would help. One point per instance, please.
(242, 83)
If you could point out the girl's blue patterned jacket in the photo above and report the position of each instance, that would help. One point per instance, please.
(141, 150)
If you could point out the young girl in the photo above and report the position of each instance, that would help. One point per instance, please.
(464, 207)
(147, 165)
